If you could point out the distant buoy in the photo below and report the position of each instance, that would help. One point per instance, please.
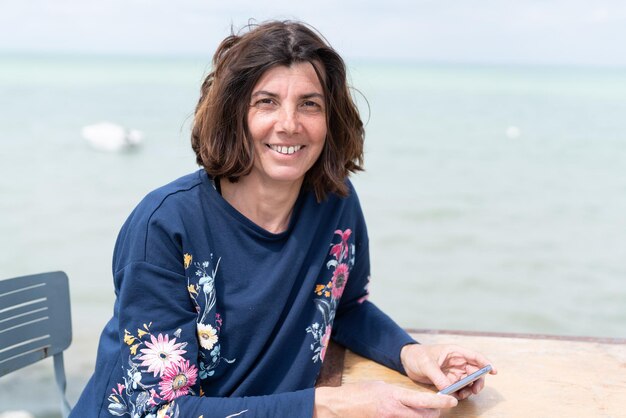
(513, 132)
(111, 137)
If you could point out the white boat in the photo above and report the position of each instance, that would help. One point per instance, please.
(111, 137)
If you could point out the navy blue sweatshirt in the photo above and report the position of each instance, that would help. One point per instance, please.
(217, 317)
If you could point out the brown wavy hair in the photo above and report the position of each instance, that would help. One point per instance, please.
(220, 136)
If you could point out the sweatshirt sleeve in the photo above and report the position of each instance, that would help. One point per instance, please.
(359, 324)
(162, 361)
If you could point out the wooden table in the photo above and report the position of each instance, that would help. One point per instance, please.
(538, 376)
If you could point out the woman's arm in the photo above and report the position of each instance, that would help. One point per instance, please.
(359, 324)
(366, 330)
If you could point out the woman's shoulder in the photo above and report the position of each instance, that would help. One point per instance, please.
(160, 216)
(179, 195)
(168, 200)
(176, 191)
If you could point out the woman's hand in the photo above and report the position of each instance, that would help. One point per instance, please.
(442, 365)
(378, 400)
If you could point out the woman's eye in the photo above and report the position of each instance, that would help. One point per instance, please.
(265, 102)
(310, 105)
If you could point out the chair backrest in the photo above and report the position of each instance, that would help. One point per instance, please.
(35, 323)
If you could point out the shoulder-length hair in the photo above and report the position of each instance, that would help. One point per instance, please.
(220, 136)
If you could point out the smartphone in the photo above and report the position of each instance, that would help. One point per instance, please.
(465, 381)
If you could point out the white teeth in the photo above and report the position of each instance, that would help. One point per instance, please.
(286, 150)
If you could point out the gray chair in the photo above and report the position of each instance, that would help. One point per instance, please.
(35, 323)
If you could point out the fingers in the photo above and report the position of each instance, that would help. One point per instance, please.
(472, 357)
(443, 365)
(464, 393)
(470, 390)
(433, 372)
(415, 400)
(478, 385)
(455, 355)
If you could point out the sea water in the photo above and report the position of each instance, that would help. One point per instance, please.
(495, 196)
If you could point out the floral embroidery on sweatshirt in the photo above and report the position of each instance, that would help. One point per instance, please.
(157, 372)
(341, 261)
(201, 287)
(152, 358)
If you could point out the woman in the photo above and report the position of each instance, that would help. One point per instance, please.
(231, 281)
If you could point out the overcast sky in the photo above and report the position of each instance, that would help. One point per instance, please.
(485, 31)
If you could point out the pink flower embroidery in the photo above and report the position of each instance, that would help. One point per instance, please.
(340, 261)
(177, 379)
(161, 352)
(339, 251)
(119, 390)
(340, 277)
(153, 395)
(324, 341)
(218, 321)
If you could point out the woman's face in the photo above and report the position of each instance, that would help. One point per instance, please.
(287, 122)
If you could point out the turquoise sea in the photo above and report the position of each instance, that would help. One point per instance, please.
(495, 196)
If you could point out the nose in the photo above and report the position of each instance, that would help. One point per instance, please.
(288, 120)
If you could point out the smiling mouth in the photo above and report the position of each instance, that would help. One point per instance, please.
(284, 149)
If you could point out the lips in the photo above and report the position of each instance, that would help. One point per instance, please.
(285, 150)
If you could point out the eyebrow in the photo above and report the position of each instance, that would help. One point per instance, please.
(270, 94)
(311, 95)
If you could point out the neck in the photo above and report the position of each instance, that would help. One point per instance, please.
(267, 205)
